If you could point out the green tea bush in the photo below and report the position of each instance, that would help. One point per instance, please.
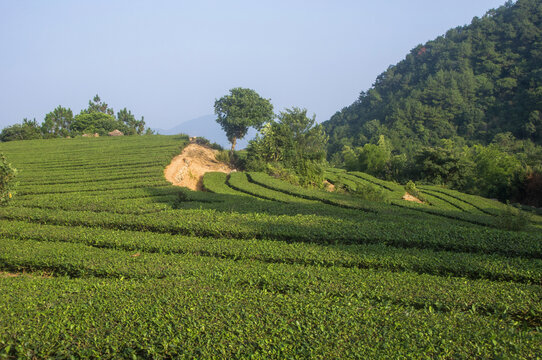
(7, 176)
(280, 172)
(369, 192)
(98, 242)
(512, 219)
(411, 188)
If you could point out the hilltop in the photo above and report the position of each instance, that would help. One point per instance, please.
(469, 85)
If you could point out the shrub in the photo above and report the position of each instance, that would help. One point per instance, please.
(411, 188)
(280, 172)
(224, 157)
(294, 142)
(369, 192)
(340, 187)
(200, 140)
(513, 219)
(236, 160)
(7, 176)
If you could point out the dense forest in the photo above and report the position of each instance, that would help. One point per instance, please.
(454, 104)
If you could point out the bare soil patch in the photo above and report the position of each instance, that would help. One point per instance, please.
(188, 168)
(409, 197)
(329, 186)
(8, 275)
(5, 274)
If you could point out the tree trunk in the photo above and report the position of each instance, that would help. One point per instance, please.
(233, 142)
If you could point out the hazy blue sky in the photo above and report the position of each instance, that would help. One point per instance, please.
(169, 60)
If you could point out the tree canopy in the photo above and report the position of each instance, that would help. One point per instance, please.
(293, 142)
(96, 122)
(96, 105)
(463, 110)
(97, 118)
(27, 130)
(468, 85)
(57, 122)
(135, 126)
(241, 109)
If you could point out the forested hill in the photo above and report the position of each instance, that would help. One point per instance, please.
(469, 85)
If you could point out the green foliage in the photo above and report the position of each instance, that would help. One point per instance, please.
(369, 192)
(350, 158)
(371, 158)
(155, 318)
(57, 123)
(93, 240)
(241, 109)
(27, 130)
(7, 180)
(278, 171)
(96, 122)
(293, 142)
(473, 82)
(235, 160)
(411, 188)
(443, 166)
(496, 172)
(96, 105)
(467, 87)
(135, 126)
(513, 219)
(215, 182)
(224, 157)
(323, 196)
(200, 140)
(97, 118)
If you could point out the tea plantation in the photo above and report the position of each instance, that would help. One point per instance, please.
(100, 257)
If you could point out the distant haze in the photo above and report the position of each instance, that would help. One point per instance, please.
(170, 60)
(207, 127)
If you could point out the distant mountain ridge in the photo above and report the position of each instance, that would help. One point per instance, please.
(207, 127)
(469, 85)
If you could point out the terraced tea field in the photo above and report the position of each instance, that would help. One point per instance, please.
(100, 257)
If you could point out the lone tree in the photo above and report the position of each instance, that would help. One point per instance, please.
(241, 109)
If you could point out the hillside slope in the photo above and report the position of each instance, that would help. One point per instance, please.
(472, 83)
(101, 257)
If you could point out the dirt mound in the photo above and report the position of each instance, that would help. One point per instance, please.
(409, 197)
(188, 168)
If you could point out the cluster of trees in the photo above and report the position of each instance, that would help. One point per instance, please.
(506, 169)
(449, 104)
(290, 144)
(473, 83)
(97, 118)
